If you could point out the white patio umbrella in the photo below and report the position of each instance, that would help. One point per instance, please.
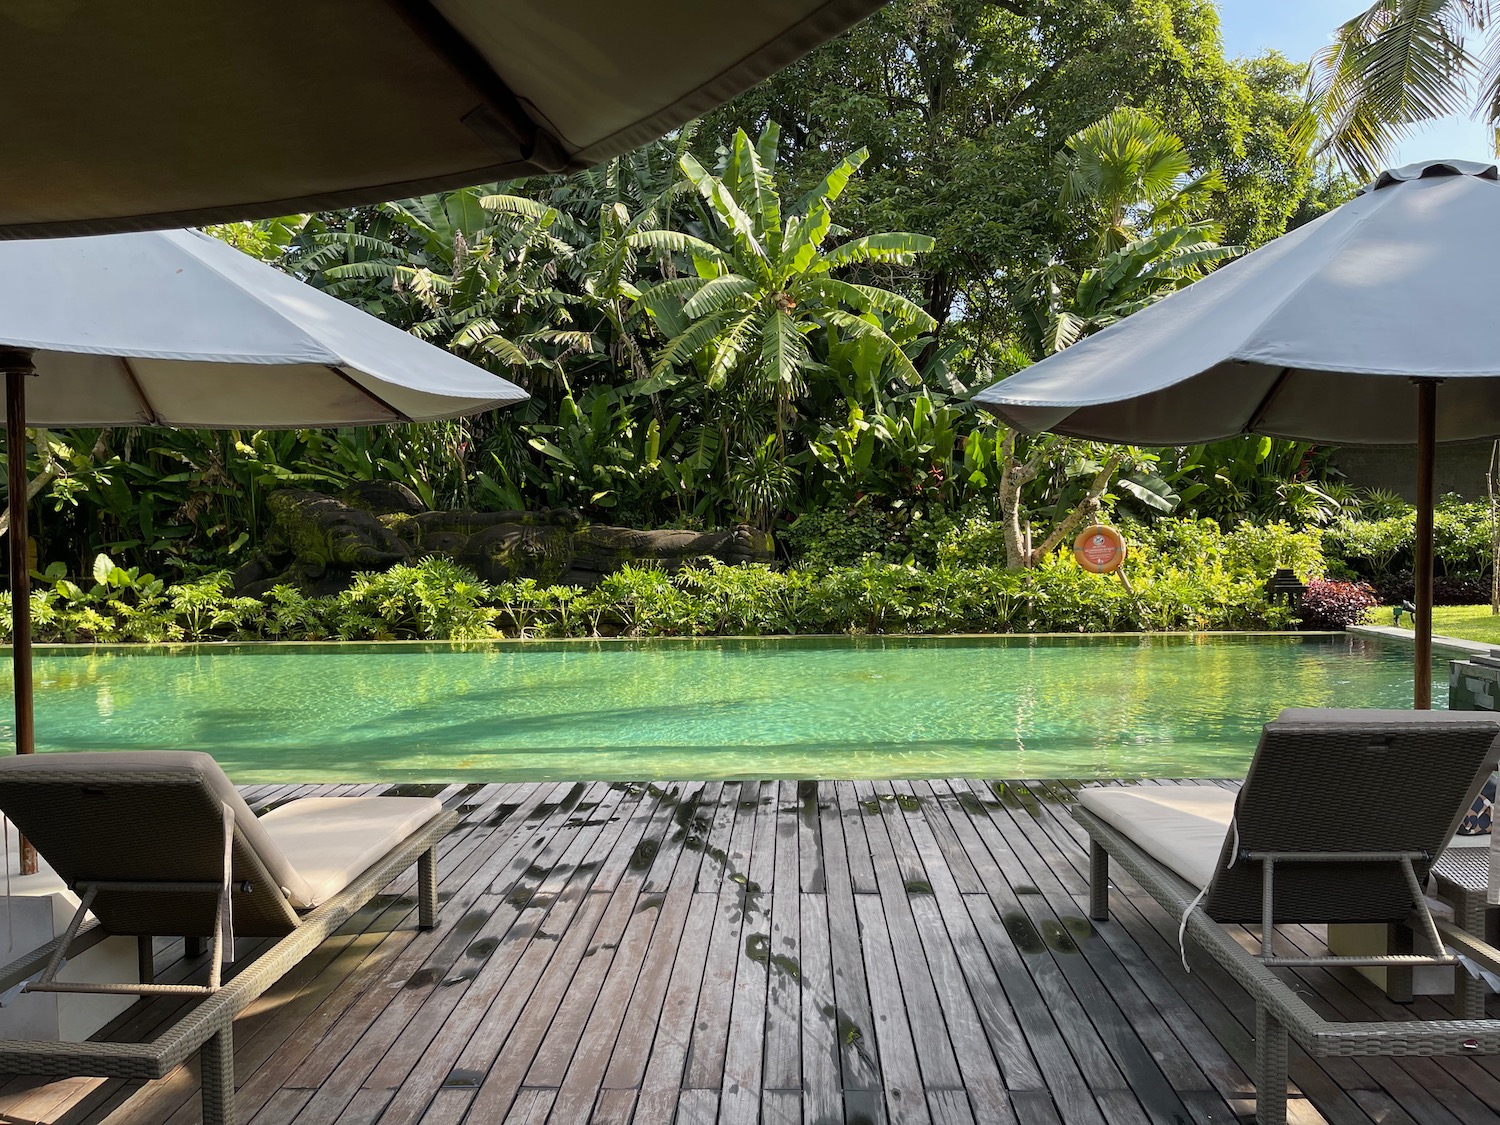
(174, 328)
(179, 112)
(1372, 325)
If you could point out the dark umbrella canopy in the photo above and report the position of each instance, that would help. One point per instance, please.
(1372, 325)
(179, 112)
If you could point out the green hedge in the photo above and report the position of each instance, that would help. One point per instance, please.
(1380, 550)
(1184, 574)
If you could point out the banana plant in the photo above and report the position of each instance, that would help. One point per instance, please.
(764, 281)
(472, 270)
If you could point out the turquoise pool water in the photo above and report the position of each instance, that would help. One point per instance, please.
(1154, 706)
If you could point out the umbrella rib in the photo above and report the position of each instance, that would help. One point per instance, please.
(147, 411)
(1268, 400)
(501, 111)
(396, 415)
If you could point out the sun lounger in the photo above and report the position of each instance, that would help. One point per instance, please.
(161, 843)
(1340, 817)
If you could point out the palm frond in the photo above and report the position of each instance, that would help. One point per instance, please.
(860, 328)
(731, 347)
(676, 242)
(832, 185)
(677, 288)
(506, 351)
(717, 293)
(518, 205)
(892, 247)
(783, 353)
(1398, 63)
(364, 270)
(688, 343)
(765, 199)
(867, 298)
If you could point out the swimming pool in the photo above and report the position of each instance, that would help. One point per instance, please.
(872, 707)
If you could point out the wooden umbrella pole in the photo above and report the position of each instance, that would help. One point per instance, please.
(1426, 499)
(17, 366)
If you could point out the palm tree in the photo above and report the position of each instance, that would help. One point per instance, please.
(1399, 63)
(1122, 282)
(1130, 174)
(765, 282)
(470, 270)
(1134, 181)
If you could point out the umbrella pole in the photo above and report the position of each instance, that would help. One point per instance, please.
(1422, 619)
(17, 366)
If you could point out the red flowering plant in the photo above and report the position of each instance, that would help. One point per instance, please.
(1330, 604)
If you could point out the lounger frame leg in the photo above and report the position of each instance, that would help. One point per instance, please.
(1270, 1068)
(427, 889)
(1398, 978)
(145, 959)
(192, 946)
(1469, 991)
(216, 1060)
(1098, 882)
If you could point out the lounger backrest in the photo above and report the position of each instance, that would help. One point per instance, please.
(149, 816)
(1350, 781)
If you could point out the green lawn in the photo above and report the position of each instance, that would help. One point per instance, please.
(1468, 622)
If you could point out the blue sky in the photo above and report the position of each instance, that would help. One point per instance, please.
(1297, 28)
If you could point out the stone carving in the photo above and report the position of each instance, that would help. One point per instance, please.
(319, 542)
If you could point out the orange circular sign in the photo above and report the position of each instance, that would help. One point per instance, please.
(1099, 548)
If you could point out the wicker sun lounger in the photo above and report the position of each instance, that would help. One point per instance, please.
(161, 843)
(1340, 817)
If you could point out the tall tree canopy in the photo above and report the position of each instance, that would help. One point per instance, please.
(965, 105)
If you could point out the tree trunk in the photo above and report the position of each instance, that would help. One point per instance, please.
(1013, 478)
(1086, 508)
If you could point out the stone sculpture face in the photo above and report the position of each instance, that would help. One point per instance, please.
(323, 530)
(512, 550)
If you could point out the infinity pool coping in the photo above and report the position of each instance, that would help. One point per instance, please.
(178, 646)
(1449, 644)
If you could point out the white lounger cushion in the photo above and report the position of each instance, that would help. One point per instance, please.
(330, 841)
(1182, 827)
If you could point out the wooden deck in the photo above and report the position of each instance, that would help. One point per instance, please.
(782, 952)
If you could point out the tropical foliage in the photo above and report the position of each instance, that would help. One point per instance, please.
(1184, 575)
(776, 323)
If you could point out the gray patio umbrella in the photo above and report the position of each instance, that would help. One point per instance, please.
(1373, 325)
(179, 112)
(174, 328)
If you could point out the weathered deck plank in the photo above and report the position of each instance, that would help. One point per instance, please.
(800, 952)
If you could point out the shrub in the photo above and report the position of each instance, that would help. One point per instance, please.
(1336, 605)
(829, 537)
(1380, 550)
(977, 541)
(1461, 542)
(433, 598)
(1184, 574)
